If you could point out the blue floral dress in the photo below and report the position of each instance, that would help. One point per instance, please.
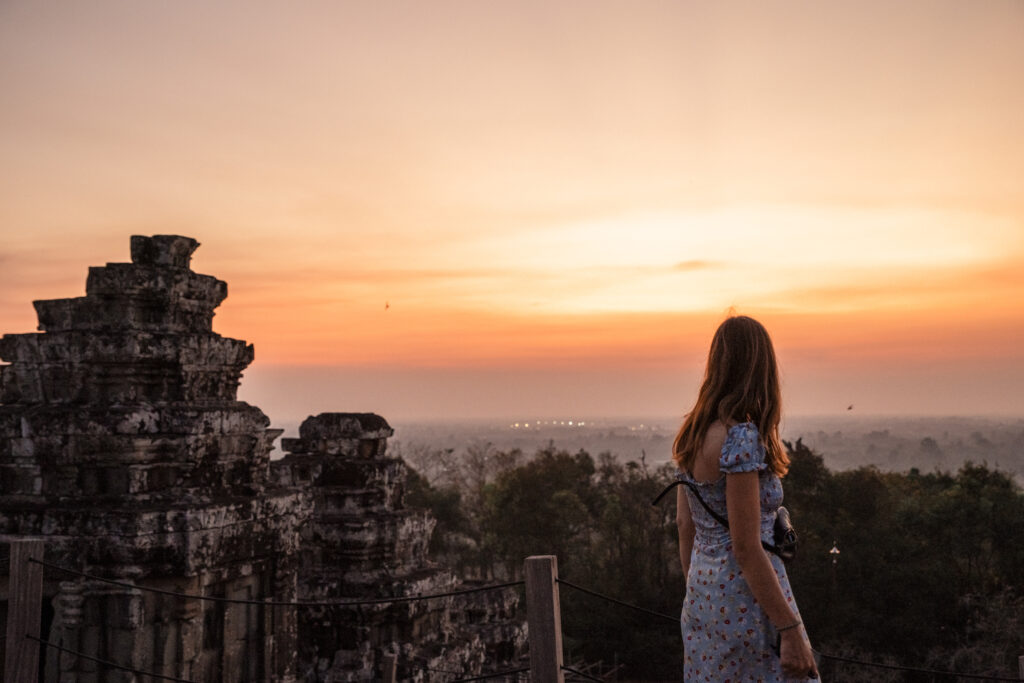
(727, 637)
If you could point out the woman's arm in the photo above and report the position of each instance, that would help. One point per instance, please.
(684, 523)
(742, 495)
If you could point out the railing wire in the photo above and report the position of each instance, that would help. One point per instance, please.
(104, 662)
(846, 660)
(667, 617)
(933, 672)
(587, 676)
(280, 603)
(416, 598)
(493, 675)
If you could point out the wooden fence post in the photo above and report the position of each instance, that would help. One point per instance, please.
(24, 612)
(544, 619)
(389, 665)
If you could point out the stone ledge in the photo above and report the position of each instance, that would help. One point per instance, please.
(173, 251)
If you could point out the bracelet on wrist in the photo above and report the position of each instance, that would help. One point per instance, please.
(789, 626)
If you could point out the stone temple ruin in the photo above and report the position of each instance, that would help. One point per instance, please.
(123, 446)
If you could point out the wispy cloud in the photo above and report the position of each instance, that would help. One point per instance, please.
(694, 265)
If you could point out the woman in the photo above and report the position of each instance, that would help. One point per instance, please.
(738, 601)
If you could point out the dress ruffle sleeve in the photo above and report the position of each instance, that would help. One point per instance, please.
(742, 450)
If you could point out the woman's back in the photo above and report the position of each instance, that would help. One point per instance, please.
(705, 465)
(737, 597)
(726, 633)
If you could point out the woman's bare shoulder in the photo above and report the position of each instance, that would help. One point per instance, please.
(710, 452)
(715, 437)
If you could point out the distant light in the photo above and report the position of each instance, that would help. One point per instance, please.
(527, 425)
(570, 423)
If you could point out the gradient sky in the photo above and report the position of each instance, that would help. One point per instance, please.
(559, 201)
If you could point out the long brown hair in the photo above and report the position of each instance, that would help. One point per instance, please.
(741, 384)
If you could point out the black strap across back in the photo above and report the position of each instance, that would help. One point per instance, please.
(719, 518)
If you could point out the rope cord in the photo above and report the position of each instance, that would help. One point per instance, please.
(667, 617)
(424, 666)
(493, 675)
(846, 660)
(104, 662)
(574, 672)
(280, 603)
(416, 598)
(935, 672)
(442, 671)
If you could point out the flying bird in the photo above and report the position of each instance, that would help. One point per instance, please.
(849, 407)
(386, 305)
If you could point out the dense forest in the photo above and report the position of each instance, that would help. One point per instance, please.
(928, 575)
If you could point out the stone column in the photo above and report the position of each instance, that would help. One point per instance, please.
(69, 612)
(189, 618)
(282, 625)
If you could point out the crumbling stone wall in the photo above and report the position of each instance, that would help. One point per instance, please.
(362, 542)
(124, 447)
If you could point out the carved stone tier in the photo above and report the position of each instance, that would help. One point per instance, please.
(120, 366)
(361, 541)
(139, 453)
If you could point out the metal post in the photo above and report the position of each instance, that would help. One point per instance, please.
(24, 612)
(544, 619)
(389, 664)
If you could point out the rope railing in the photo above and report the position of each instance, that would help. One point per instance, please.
(932, 672)
(497, 674)
(262, 603)
(423, 664)
(581, 674)
(541, 584)
(439, 671)
(845, 660)
(644, 610)
(104, 662)
(139, 672)
(278, 603)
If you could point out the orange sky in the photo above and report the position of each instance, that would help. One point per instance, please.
(558, 201)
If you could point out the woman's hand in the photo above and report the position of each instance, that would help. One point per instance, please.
(795, 653)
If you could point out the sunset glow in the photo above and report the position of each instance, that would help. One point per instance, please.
(528, 203)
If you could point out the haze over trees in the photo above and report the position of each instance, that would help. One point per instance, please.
(928, 575)
(845, 441)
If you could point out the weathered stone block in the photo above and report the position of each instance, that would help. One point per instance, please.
(172, 251)
(342, 426)
(138, 280)
(54, 314)
(21, 448)
(19, 347)
(19, 479)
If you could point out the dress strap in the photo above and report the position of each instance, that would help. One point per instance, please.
(719, 518)
(693, 487)
(665, 491)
